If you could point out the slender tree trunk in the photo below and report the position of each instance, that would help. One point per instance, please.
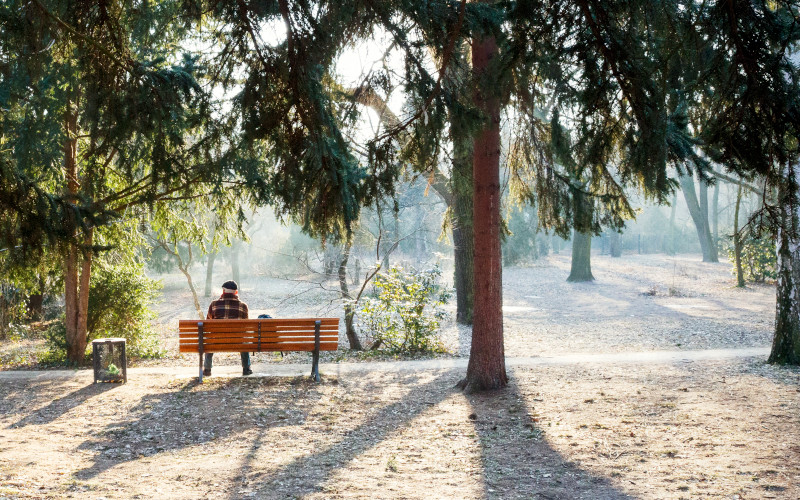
(614, 244)
(76, 284)
(786, 343)
(700, 219)
(235, 247)
(349, 307)
(581, 269)
(212, 256)
(184, 267)
(486, 369)
(737, 241)
(715, 215)
(356, 272)
(197, 306)
(210, 273)
(673, 248)
(463, 234)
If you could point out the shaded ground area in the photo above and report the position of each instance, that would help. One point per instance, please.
(680, 430)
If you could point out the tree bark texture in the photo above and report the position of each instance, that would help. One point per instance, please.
(786, 343)
(700, 219)
(77, 263)
(581, 269)
(737, 240)
(715, 215)
(349, 307)
(463, 234)
(486, 369)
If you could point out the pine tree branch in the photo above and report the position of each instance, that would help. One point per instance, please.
(447, 55)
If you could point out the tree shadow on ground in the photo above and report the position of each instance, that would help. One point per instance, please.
(166, 422)
(307, 474)
(517, 460)
(59, 406)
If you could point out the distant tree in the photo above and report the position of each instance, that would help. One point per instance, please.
(698, 209)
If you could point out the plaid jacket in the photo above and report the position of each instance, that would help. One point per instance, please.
(228, 306)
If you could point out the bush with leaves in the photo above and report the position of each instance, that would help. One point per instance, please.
(119, 306)
(759, 257)
(403, 315)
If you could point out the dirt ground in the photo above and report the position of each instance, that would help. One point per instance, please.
(719, 429)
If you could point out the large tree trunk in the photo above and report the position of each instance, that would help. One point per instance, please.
(786, 343)
(463, 235)
(581, 269)
(737, 241)
(700, 218)
(349, 307)
(486, 369)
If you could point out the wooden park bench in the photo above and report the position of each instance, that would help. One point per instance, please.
(259, 335)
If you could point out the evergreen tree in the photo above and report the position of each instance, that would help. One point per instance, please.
(103, 118)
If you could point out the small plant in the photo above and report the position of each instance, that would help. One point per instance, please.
(405, 312)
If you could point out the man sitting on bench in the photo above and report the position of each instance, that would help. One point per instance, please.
(228, 306)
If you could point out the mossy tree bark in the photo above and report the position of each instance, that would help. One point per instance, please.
(463, 234)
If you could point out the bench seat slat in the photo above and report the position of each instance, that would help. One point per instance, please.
(254, 341)
(263, 333)
(265, 347)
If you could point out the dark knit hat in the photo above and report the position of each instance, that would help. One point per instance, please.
(230, 285)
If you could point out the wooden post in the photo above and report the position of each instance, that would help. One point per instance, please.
(315, 362)
(200, 347)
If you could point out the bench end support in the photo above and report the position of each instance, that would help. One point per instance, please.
(315, 359)
(200, 348)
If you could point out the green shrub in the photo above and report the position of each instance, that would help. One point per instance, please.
(759, 258)
(405, 312)
(119, 306)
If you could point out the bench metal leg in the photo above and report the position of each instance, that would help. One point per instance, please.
(315, 359)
